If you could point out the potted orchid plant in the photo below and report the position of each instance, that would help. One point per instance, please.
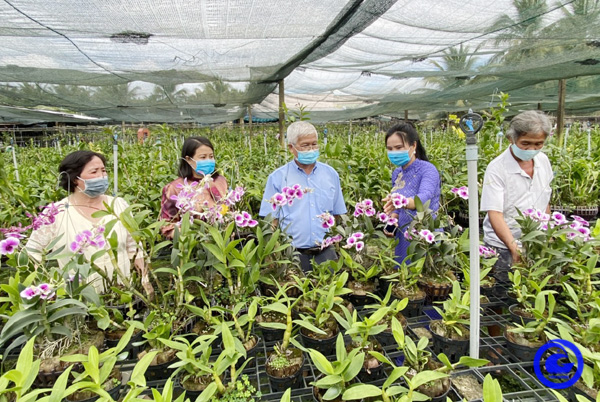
(437, 247)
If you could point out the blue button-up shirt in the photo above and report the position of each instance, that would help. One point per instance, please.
(300, 220)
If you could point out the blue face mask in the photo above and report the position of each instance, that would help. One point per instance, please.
(308, 157)
(399, 158)
(205, 166)
(524, 154)
(95, 187)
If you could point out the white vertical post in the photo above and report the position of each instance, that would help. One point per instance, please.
(589, 133)
(265, 140)
(566, 136)
(116, 164)
(474, 287)
(14, 155)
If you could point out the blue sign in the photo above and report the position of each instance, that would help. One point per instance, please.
(557, 365)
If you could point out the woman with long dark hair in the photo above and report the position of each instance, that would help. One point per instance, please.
(197, 162)
(414, 177)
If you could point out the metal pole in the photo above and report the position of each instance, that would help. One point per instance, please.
(467, 124)
(116, 164)
(265, 140)
(589, 133)
(14, 155)
(566, 135)
(281, 113)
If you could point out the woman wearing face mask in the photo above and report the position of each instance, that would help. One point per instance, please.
(197, 162)
(83, 176)
(414, 176)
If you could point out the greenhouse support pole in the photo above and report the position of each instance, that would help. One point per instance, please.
(566, 136)
(589, 133)
(281, 114)
(560, 111)
(14, 155)
(471, 123)
(250, 120)
(265, 140)
(116, 164)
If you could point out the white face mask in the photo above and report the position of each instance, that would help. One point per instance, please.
(94, 187)
(524, 154)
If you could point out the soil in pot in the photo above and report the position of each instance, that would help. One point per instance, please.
(416, 300)
(372, 369)
(112, 386)
(518, 315)
(386, 338)
(194, 386)
(359, 296)
(285, 371)
(51, 368)
(436, 390)
(251, 347)
(520, 347)
(270, 334)
(468, 386)
(448, 341)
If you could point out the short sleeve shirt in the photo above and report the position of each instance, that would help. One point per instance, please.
(507, 188)
(300, 220)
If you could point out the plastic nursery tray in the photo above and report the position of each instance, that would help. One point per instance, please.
(525, 387)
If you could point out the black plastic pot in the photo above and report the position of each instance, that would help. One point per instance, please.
(137, 304)
(452, 348)
(386, 338)
(435, 292)
(271, 335)
(414, 308)
(371, 375)
(488, 291)
(574, 391)
(192, 395)
(295, 381)
(442, 398)
(114, 394)
(133, 350)
(249, 354)
(47, 380)
(325, 346)
(160, 371)
(516, 318)
(521, 352)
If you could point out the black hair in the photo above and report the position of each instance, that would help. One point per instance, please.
(409, 135)
(190, 145)
(72, 166)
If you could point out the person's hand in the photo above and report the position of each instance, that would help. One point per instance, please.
(148, 287)
(388, 207)
(516, 257)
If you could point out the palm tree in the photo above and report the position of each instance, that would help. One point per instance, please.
(457, 65)
(116, 95)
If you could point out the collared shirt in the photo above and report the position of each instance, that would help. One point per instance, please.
(300, 220)
(506, 188)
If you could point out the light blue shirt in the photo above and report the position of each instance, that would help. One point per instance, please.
(300, 220)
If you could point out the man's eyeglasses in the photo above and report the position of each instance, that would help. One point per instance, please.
(307, 147)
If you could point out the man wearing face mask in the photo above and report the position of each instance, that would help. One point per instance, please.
(322, 193)
(83, 175)
(517, 179)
